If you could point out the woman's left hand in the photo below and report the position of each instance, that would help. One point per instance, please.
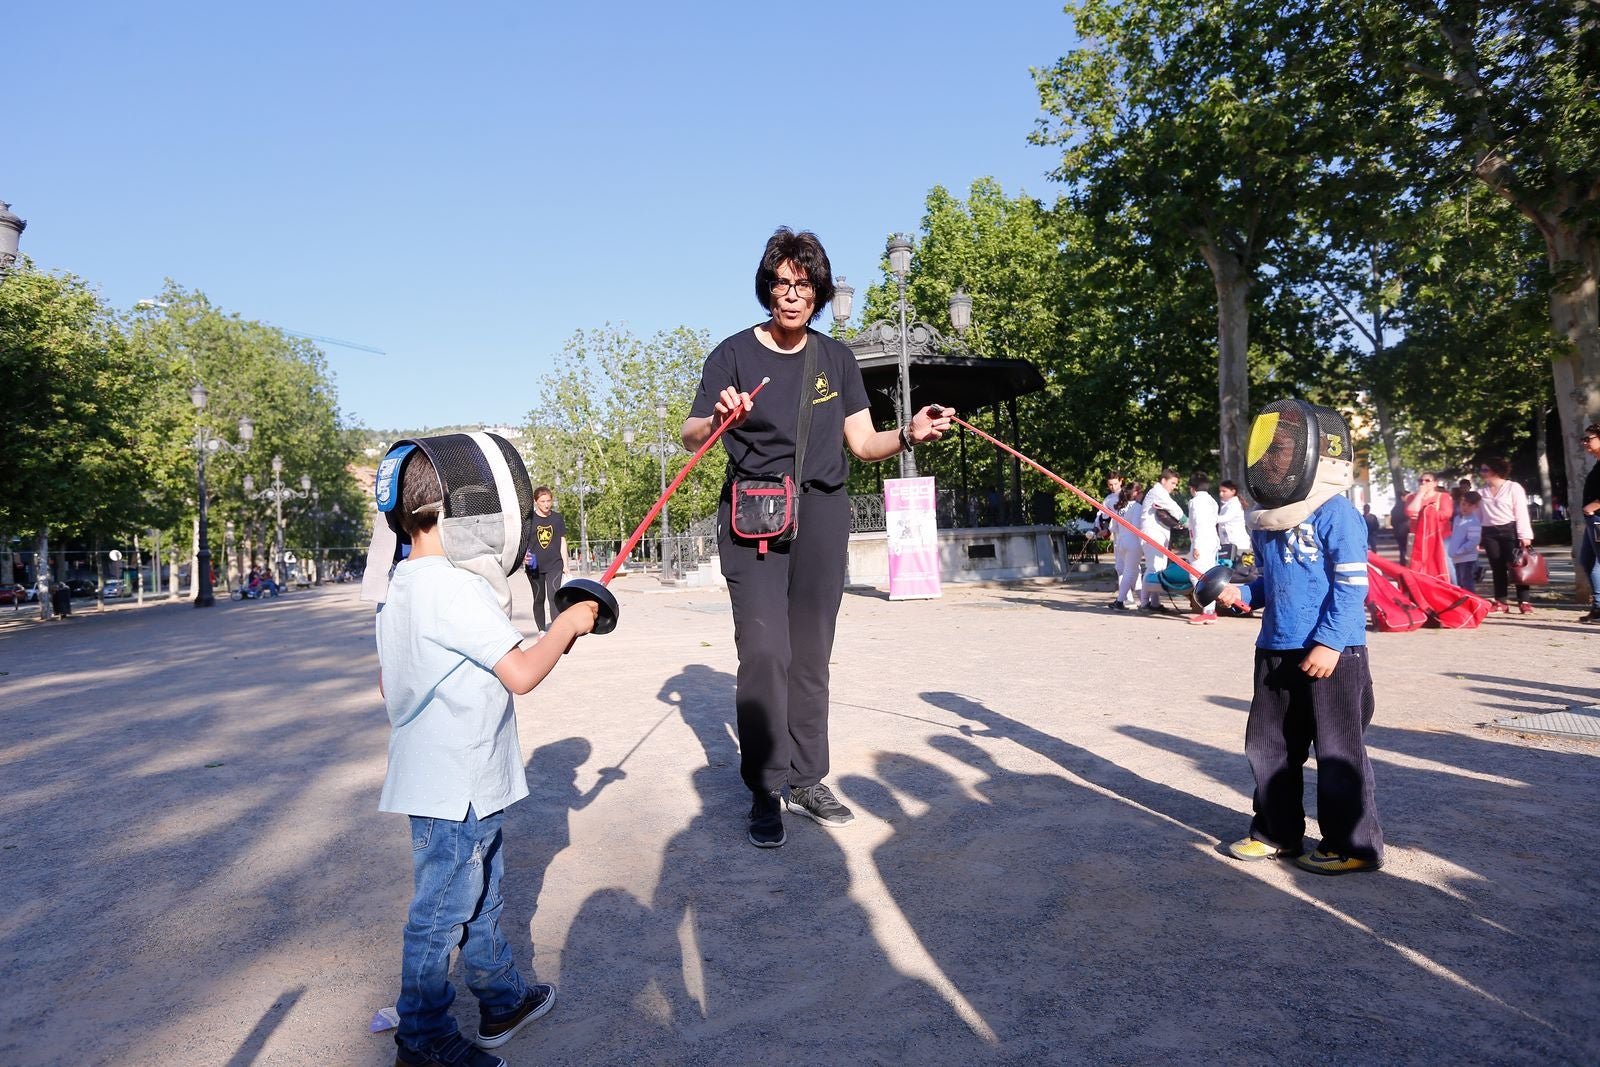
(926, 427)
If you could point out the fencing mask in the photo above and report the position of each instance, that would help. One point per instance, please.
(485, 500)
(1298, 457)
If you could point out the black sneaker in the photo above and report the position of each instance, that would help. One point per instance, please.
(496, 1029)
(1592, 617)
(766, 821)
(818, 802)
(451, 1051)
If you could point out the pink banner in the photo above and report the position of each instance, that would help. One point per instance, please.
(913, 538)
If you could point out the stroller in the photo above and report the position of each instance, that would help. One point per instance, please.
(1178, 586)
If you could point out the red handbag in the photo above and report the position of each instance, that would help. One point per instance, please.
(1529, 568)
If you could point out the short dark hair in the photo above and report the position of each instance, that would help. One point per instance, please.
(1591, 430)
(1199, 481)
(1499, 464)
(419, 485)
(1167, 472)
(542, 490)
(805, 251)
(1471, 496)
(1228, 483)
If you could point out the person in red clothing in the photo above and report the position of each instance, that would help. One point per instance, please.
(1430, 511)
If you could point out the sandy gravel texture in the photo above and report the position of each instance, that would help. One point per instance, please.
(193, 869)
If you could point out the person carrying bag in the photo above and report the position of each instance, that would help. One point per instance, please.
(766, 507)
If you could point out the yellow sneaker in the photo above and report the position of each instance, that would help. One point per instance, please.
(1248, 848)
(1321, 862)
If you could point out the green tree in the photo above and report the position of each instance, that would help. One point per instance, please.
(1118, 318)
(1513, 88)
(1468, 373)
(606, 381)
(282, 384)
(1005, 252)
(1217, 122)
(84, 454)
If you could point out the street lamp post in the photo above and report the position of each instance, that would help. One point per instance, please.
(906, 335)
(205, 441)
(661, 448)
(277, 492)
(583, 488)
(11, 229)
(900, 266)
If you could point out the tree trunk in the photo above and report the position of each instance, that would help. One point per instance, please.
(1575, 317)
(1541, 453)
(1232, 281)
(194, 562)
(41, 571)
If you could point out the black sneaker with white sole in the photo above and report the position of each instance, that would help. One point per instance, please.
(496, 1029)
(452, 1050)
(818, 802)
(766, 821)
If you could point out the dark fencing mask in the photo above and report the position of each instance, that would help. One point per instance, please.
(485, 501)
(1294, 447)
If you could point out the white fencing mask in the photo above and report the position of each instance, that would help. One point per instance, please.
(485, 500)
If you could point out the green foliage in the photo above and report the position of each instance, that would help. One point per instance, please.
(85, 452)
(1473, 367)
(607, 381)
(281, 383)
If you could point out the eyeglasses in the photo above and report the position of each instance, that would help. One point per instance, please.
(782, 286)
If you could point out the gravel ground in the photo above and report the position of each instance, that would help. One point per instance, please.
(193, 870)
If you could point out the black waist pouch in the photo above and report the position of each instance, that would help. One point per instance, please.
(765, 510)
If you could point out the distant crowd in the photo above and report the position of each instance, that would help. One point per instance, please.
(1455, 535)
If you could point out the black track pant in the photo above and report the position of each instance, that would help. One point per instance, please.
(544, 585)
(785, 606)
(1288, 713)
(1500, 545)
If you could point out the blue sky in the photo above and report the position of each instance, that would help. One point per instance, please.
(465, 185)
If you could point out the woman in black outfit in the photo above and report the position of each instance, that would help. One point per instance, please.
(786, 598)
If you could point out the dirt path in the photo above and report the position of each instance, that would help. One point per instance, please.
(193, 870)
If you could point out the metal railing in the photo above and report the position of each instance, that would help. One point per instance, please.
(955, 510)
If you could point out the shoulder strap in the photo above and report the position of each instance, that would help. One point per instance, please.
(804, 418)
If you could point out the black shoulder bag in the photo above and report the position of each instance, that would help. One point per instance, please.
(766, 507)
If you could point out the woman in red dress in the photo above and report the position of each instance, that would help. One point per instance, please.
(1430, 511)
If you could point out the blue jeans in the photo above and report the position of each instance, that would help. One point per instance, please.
(1589, 560)
(456, 902)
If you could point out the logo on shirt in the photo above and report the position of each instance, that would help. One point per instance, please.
(546, 534)
(820, 384)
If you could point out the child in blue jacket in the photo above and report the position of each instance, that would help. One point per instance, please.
(1312, 683)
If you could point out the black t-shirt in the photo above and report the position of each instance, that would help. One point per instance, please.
(546, 542)
(765, 443)
(1591, 483)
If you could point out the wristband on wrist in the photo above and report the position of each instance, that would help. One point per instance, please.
(906, 444)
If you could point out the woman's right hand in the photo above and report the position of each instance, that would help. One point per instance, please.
(735, 402)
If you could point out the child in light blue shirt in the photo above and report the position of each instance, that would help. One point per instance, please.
(449, 661)
(1465, 536)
